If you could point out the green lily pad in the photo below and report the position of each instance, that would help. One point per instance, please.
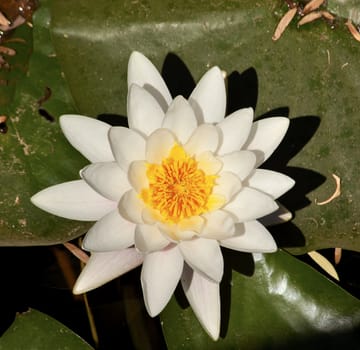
(311, 71)
(34, 154)
(310, 74)
(34, 330)
(346, 9)
(278, 303)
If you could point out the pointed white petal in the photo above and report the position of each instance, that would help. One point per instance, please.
(74, 200)
(148, 238)
(106, 266)
(144, 112)
(271, 182)
(251, 237)
(111, 232)
(227, 186)
(107, 179)
(180, 119)
(204, 297)
(137, 175)
(143, 73)
(235, 130)
(265, 136)
(127, 145)
(204, 138)
(250, 204)
(158, 145)
(204, 255)
(218, 225)
(241, 163)
(277, 217)
(160, 275)
(88, 136)
(131, 207)
(209, 97)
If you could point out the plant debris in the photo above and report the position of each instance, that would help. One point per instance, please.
(336, 194)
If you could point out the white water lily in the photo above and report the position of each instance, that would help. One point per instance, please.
(171, 189)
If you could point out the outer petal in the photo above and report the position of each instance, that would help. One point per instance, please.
(250, 204)
(209, 97)
(204, 297)
(251, 237)
(204, 255)
(235, 130)
(265, 136)
(144, 112)
(131, 207)
(111, 232)
(73, 200)
(204, 138)
(143, 73)
(219, 225)
(271, 182)
(158, 145)
(159, 277)
(104, 267)
(88, 136)
(241, 163)
(107, 179)
(277, 217)
(180, 119)
(148, 238)
(127, 145)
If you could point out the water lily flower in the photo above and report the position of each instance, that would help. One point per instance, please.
(170, 190)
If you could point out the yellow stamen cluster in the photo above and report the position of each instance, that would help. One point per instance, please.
(178, 189)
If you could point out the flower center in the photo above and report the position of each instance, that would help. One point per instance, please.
(178, 189)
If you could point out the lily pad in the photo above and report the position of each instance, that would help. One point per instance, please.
(310, 74)
(34, 330)
(276, 303)
(33, 153)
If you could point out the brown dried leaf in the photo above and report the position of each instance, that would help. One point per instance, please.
(284, 22)
(310, 18)
(312, 5)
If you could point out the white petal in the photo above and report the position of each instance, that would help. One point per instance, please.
(158, 145)
(104, 267)
(209, 97)
(89, 136)
(251, 237)
(277, 217)
(131, 207)
(271, 182)
(74, 200)
(250, 204)
(204, 138)
(143, 73)
(235, 130)
(148, 238)
(127, 145)
(204, 297)
(204, 255)
(160, 275)
(111, 232)
(241, 163)
(218, 225)
(180, 119)
(208, 163)
(227, 185)
(137, 175)
(144, 112)
(265, 136)
(107, 179)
